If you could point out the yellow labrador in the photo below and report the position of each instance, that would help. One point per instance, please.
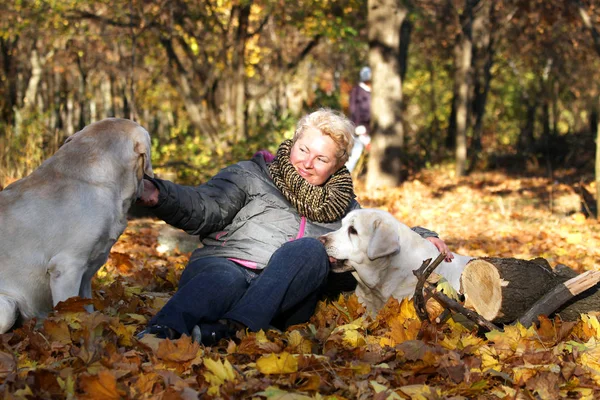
(58, 224)
(382, 252)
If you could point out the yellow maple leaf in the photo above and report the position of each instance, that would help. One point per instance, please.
(378, 388)
(274, 393)
(590, 326)
(489, 358)
(298, 343)
(57, 330)
(354, 339)
(124, 332)
(261, 337)
(283, 363)
(514, 339)
(590, 359)
(180, 350)
(402, 329)
(421, 392)
(217, 373)
(101, 386)
(407, 310)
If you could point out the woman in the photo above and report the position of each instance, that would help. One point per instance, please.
(261, 264)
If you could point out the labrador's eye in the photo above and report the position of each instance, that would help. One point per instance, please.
(352, 231)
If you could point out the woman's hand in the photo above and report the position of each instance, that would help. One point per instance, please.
(149, 196)
(442, 247)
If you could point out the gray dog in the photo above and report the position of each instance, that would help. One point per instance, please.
(58, 224)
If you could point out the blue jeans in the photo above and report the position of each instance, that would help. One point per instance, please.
(286, 292)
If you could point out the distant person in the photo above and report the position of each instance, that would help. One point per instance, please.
(360, 114)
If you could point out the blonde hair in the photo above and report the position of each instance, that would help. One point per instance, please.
(330, 123)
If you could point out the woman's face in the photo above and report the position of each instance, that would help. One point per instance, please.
(313, 156)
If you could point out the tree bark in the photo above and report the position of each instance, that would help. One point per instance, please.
(597, 165)
(462, 77)
(385, 18)
(239, 70)
(482, 81)
(588, 23)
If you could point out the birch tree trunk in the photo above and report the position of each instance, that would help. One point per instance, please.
(385, 164)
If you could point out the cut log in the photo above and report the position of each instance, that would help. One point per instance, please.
(504, 290)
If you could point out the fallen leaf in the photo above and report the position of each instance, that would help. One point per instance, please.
(100, 386)
(283, 363)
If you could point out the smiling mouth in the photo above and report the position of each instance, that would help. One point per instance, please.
(303, 173)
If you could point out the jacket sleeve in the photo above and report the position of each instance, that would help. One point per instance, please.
(201, 210)
(425, 233)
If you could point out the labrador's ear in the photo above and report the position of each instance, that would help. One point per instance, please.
(144, 165)
(384, 241)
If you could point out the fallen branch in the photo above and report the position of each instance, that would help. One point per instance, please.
(422, 274)
(459, 308)
(560, 295)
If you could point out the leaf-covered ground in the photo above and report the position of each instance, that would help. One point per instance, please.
(341, 353)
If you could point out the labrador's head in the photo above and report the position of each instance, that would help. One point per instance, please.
(363, 244)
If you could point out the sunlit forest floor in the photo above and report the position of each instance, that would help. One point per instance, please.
(341, 353)
(499, 215)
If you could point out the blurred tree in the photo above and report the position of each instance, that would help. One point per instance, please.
(591, 27)
(463, 82)
(385, 161)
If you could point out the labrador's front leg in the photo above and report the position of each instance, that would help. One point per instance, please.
(9, 312)
(65, 278)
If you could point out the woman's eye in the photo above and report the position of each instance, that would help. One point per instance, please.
(352, 231)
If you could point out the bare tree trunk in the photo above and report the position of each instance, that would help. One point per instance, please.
(587, 21)
(463, 80)
(405, 31)
(484, 77)
(9, 67)
(385, 164)
(83, 75)
(597, 169)
(239, 67)
(107, 106)
(37, 65)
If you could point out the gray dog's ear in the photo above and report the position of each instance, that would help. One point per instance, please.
(144, 165)
(384, 241)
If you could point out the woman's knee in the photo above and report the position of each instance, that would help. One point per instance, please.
(306, 246)
(307, 253)
(213, 269)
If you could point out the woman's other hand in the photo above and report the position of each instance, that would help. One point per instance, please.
(442, 247)
(149, 196)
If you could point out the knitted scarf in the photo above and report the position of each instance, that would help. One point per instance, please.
(325, 203)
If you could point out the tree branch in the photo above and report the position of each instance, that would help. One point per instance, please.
(559, 296)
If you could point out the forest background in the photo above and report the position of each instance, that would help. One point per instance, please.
(481, 84)
(485, 116)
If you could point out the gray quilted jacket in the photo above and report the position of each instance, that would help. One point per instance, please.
(239, 213)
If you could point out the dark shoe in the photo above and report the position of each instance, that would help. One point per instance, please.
(160, 331)
(211, 333)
